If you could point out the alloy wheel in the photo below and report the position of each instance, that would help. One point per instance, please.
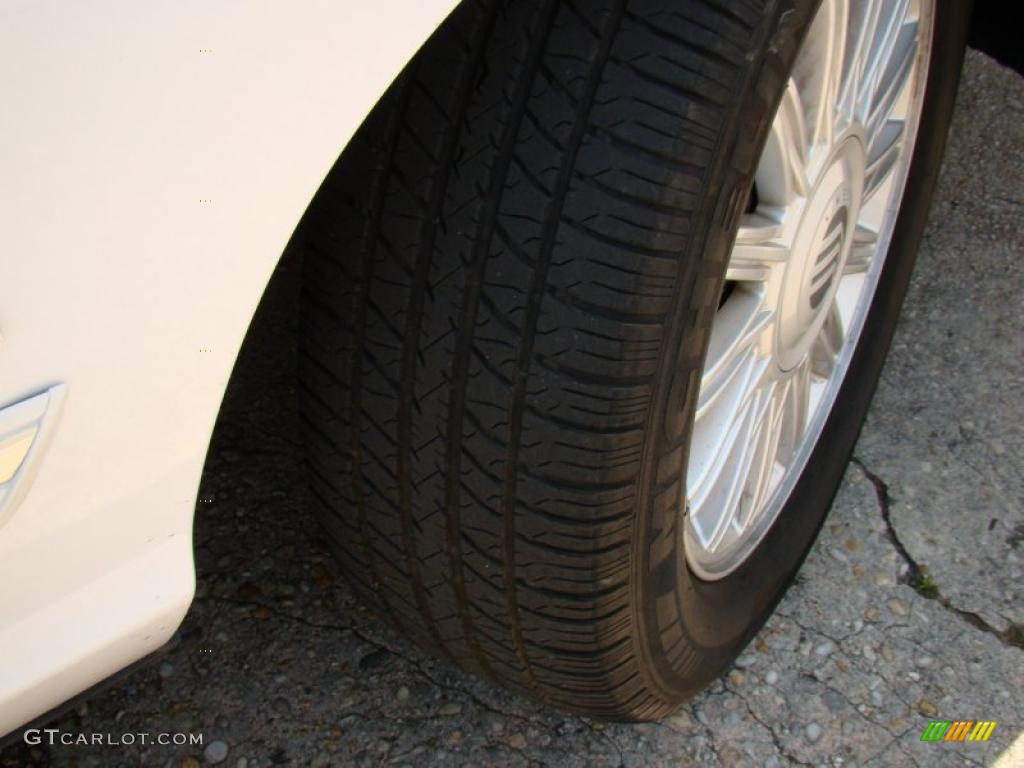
(803, 270)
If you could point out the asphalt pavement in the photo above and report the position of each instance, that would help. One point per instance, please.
(910, 607)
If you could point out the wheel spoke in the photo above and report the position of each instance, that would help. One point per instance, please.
(795, 411)
(768, 470)
(878, 28)
(715, 446)
(759, 229)
(827, 345)
(757, 250)
(729, 487)
(892, 79)
(732, 349)
(858, 53)
(781, 175)
(880, 47)
(819, 72)
(733, 377)
(883, 153)
(862, 251)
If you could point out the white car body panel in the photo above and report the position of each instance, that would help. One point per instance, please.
(120, 119)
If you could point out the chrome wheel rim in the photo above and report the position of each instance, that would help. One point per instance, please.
(803, 270)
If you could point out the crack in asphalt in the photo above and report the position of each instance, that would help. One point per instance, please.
(917, 574)
(776, 739)
(712, 746)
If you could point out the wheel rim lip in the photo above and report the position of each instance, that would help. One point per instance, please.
(710, 566)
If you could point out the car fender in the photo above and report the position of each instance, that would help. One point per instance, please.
(156, 159)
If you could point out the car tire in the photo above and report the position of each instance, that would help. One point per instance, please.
(510, 285)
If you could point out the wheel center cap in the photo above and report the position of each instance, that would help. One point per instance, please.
(821, 244)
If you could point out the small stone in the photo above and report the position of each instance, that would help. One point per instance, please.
(374, 659)
(924, 661)
(839, 555)
(242, 762)
(681, 720)
(813, 731)
(517, 741)
(871, 614)
(887, 653)
(833, 701)
(248, 592)
(869, 653)
(876, 698)
(451, 708)
(898, 607)
(216, 752)
(189, 762)
(746, 661)
(282, 706)
(926, 708)
(261, 612)
(177, 707)
(402, 694)
(771, 677)
(322, 577)
(165, 670)
(824, 649)
(736, 678)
